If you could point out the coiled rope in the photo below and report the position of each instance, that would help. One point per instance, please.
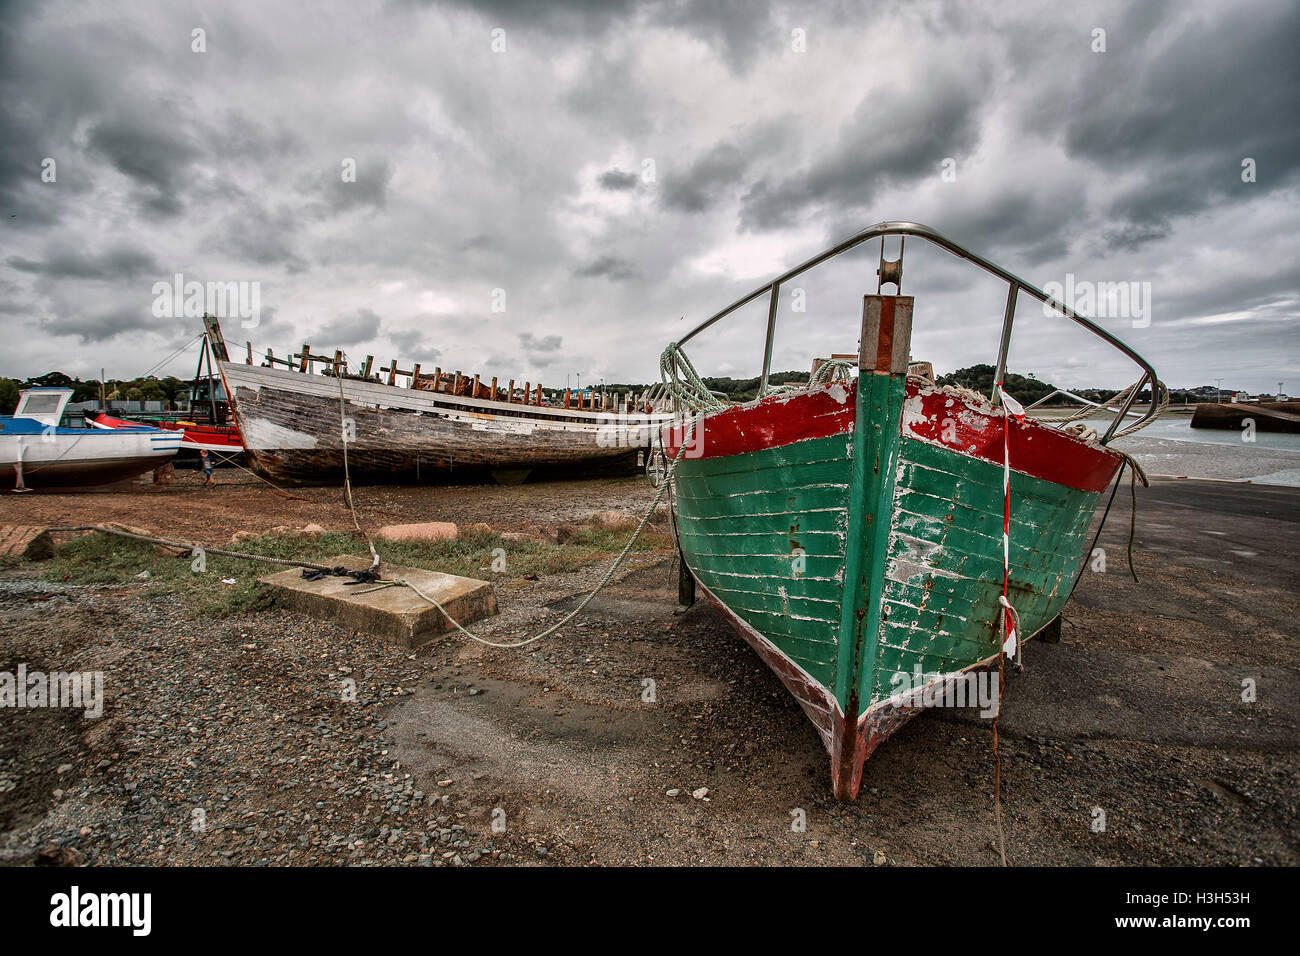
(682, 382)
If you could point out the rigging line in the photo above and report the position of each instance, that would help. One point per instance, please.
(347, 477)
(230, 460)
(174, 354)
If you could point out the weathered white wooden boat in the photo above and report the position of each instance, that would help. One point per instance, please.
(37, 452)
(298, 424)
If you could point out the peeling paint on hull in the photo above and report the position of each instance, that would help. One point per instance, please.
(844, 573)
(292, 429)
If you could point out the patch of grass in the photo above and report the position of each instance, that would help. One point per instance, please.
(106, 559)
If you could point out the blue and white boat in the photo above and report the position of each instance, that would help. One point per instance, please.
(37, 451)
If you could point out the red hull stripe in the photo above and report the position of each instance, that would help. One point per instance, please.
(779, 420)
(940, 418)
(222, 438)
(930, 415)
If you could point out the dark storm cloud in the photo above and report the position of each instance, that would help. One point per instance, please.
(1174, 105)
(154, 154)
(521, 171)
(106, 325)
(608, 267)
(589, 15)
(706, 180)
(534, 345)
(250, 232)
(122, 262)
(735, 28)
(895, 137)
(350, 328)
(369, 188)
(30, 133)
(413, 344)
(616, 180)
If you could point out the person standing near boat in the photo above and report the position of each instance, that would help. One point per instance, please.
(206, 462)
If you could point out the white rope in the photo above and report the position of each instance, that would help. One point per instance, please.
(1161, 392)
(403, 582)
(585, 601)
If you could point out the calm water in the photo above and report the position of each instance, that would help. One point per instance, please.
(1178, 428)
(1170, 446)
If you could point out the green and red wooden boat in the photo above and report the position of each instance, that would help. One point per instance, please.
(854, 530)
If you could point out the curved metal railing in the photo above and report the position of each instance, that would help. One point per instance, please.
(1015, 285)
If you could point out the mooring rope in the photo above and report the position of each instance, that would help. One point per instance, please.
(403, 582)
(831, 370)
(605, 579)
(1135, 474)
(230, 460)
(347, 477)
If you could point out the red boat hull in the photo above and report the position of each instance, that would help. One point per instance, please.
(222, 439)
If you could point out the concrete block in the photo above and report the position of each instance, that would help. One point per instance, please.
(397, 614)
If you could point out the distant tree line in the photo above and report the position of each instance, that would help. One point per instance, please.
(168, 390)
(171, 390)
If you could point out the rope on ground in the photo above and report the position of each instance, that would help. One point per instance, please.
(605, 579)
(403, 582)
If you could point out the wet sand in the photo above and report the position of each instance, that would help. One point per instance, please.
(1137, 714)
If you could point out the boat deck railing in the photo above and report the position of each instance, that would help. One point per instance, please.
(891, 271)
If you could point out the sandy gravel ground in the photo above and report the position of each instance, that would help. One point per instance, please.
(465, 755)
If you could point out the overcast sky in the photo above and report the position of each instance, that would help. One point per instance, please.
(620, 170)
